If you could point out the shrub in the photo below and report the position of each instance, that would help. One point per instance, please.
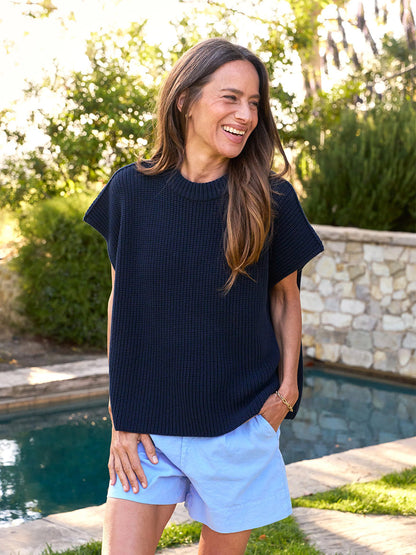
(65, 272)
(363, 174)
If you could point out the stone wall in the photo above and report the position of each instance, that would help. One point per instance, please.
(359, 300)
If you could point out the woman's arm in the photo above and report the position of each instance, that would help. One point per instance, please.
(110, 309)
(124, 460)
(287, 323)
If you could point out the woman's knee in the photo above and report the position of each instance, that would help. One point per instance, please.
(132, 528)
(216, 543)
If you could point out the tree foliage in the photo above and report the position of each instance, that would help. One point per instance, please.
(36, 8)
(107, 111)
(107, 117)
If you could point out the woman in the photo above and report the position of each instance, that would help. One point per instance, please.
(206, 246)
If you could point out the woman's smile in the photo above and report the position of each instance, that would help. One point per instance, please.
(236, 135)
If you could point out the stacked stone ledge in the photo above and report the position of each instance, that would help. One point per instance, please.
(359, 300)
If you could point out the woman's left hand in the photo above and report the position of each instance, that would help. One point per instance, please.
(274, 410)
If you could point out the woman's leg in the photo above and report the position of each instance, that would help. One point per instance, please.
(215, 543)
(132, 528)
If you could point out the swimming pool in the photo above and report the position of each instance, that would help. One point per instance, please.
(340, 411)
(54, 460)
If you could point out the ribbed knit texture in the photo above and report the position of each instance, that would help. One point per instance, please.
(185, 359)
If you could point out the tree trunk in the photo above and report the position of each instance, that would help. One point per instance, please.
(408, 22)
(348, 47)
(362, 25)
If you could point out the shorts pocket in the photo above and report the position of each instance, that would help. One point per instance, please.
(266, 424)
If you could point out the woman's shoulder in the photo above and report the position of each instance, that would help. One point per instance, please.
(279, 183)
(128, 177)
(126, 173)
(282, 189)
(131, 173)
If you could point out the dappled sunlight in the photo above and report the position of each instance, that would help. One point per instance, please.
(383, 458)
(357, 533)
(43, 375)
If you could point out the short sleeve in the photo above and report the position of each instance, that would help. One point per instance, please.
(294, 241)
(104, 215)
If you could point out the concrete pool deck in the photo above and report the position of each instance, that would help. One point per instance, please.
(331, 532)
(33, 386)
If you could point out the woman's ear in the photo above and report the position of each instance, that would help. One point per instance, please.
(181, 101)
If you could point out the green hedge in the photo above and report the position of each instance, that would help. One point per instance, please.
(65, 272)
(362, 170)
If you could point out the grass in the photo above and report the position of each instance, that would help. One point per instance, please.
(283, 537)
(174, 535)
(92, 548)
(394, 494)
(180, 534)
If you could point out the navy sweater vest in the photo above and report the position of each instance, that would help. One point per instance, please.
(185, 359)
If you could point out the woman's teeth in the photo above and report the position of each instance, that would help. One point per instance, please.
(232, 130)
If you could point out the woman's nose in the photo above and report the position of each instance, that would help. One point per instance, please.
(243, 112)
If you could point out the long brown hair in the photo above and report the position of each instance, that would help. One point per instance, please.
(250, 208)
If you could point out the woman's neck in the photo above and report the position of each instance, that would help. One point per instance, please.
(202, 170)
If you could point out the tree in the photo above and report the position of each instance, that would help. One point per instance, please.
(37, 8)
(105, 118)
(408, 21)
(107, 112)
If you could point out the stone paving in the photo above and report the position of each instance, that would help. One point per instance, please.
(335, 533)
(331, 532)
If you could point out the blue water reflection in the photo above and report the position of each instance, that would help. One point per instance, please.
(341, 412)
(55, 460)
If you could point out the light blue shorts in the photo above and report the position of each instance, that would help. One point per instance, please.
(231, 483)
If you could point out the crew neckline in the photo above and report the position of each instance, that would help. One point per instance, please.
(197, 191)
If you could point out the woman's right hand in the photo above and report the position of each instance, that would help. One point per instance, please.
(124, 460)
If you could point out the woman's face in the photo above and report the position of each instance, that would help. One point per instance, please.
(222, 119)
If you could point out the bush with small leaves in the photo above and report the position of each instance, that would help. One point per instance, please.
(362, 170)
(64, 271)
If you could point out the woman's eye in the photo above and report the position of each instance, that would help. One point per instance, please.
(255, 103)
(231, 97)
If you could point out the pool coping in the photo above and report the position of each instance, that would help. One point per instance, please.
(42, 385)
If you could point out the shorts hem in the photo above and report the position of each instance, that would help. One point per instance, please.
(246, 522)
(129, 496)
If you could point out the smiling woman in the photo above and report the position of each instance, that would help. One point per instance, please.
(206, 245)
(227, 85)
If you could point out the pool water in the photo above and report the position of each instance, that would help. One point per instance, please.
(340, 412)
(52, 462)
(55, 460)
